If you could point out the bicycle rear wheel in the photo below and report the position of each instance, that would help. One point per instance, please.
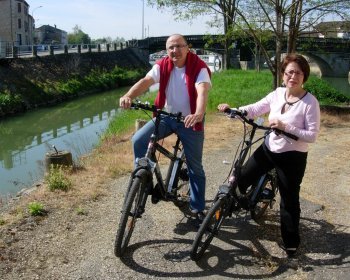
(209, 228)
(133, 209)
(258, 211)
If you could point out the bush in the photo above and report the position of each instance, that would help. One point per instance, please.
(36, 209)
(57, 180)
(324, 92)
(10, 102)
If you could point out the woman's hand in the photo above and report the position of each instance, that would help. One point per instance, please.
(276, 123)
(222, 107)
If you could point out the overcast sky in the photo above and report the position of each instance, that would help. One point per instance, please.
(111, 18)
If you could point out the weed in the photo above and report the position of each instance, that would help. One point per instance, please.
(2, 222)
(81, 211)
(36, 209)
(56, 179)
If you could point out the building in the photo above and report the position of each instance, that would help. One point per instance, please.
(16, 24)
(50, 35)
(333, 29)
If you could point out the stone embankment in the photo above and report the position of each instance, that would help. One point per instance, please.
(27, 77)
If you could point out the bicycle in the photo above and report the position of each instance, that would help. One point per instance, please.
(174, 188)
(228, 199)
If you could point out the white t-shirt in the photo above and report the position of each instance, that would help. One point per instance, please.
(177, 98)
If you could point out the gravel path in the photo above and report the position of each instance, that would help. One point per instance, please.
(65, 245)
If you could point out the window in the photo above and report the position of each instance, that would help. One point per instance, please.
(19, 23)
(19, 6)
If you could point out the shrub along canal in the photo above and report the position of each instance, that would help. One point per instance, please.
(74, 126)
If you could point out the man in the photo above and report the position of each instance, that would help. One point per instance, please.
(184, 82)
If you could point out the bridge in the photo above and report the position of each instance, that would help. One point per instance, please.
(332, 55)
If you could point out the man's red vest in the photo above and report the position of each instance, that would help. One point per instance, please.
(193, 66)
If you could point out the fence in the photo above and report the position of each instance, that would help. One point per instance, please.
(10, 51)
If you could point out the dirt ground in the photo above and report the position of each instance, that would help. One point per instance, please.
(67, 244)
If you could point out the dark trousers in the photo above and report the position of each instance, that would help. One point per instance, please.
(290, 167)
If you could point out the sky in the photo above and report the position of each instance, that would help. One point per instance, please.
(112, 18)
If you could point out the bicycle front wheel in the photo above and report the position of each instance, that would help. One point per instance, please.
(133, 209)
(209, 228)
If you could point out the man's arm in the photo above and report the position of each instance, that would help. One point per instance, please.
(136, 90)
(201, 104)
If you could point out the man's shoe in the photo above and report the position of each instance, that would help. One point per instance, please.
(198, 217)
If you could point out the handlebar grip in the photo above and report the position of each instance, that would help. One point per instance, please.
(289, 135)
(236, 112)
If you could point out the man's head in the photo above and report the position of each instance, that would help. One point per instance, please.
(177, 49)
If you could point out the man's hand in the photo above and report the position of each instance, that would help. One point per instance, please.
(125, 102)
(191, 120)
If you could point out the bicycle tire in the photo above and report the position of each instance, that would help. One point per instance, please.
(259, 210)
(130, 213)
(209, 228)
(182, 199)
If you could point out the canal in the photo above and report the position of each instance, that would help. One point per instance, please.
(74, 126)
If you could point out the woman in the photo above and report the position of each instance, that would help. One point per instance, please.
(293, 110)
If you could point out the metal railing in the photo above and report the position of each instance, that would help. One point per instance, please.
(11, 51)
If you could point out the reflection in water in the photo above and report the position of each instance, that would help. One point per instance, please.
(13, 151)
(74, 126)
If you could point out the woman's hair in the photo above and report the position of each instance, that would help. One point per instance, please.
(298, 59)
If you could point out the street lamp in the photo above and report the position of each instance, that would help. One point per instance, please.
(34, 10)
(33, 21)
(143, 18)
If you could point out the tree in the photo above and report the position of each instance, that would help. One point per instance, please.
(285, 20)
(78, 36)
(188, 9)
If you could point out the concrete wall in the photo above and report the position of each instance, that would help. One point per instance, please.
(63, 66)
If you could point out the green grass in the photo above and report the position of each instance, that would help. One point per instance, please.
(126, 118)
(57, 180)
(36, 209)
(237, 88)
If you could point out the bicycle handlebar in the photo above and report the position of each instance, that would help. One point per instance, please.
(152, 108)
(242, 115)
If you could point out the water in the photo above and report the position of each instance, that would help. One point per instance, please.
(74, 126)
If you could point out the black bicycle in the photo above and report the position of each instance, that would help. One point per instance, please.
(229, 200)
(174, 188)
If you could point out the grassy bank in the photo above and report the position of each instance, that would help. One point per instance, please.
(238, 88)
(42, 93)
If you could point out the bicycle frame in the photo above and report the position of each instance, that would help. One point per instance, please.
(228, 199)
(150, 162)
(243, 149)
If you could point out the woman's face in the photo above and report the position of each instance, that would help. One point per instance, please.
(293, 76)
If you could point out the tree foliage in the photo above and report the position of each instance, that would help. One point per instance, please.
(259, 20)
(78, 36)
